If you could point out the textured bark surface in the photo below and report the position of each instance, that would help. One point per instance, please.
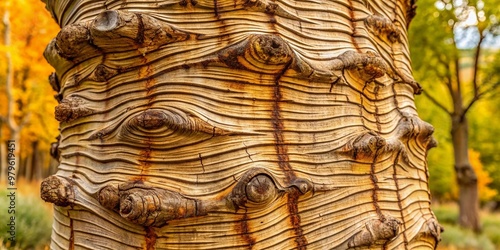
(237, 125)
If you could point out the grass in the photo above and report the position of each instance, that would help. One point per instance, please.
(33, 218)
(456, 238)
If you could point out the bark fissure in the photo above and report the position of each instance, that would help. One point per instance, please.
(150, 238)
(377, 117)
(71, 235)
(293, 209)
(398, 195)
(374, 180)
(246, 231)
(145, 156)
(278, 126)
(353, 25)
(284, 162)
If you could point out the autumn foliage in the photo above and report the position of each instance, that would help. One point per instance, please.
(483, 177)
(30, 28)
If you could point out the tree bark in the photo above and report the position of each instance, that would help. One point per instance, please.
(238, 125)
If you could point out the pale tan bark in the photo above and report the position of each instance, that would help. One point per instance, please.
(238, 125)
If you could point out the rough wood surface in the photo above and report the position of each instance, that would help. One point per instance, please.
(252, 124)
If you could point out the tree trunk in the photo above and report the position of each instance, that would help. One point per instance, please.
(9, 119)
(39, 161)
(466, 176)
(31, 159)
(3, 158)
(238, 125)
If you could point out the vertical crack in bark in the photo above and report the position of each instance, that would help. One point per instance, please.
(71, 235)
(147, 71)
(377, 118)
(277, 121)
(395, 98)
(201, 163)
(426, 169)
(293, 209)
(373, 178)
(150, 238)
(140, 32)
(145, 155)
(361, 106)
(353, 23)
(246, 150)
(284, 162)
(245, 231)
(150, 81)
(398, 195)
(216, 9)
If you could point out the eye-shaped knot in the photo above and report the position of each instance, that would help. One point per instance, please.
(261, 189)
(258, 187)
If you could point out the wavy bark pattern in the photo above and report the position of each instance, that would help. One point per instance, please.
(254, 124)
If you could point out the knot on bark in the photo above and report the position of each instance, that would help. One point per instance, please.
(368, 65)
(430, 229)
(161, 120)
(257, 188)
(272, 9)
(102, 73)
(109, 197)
(74, 43)
(115, 30)
(261, 189)
(304, 186)
(111, 31)
(364, 146)
(71, 109)
(269, 49)
(380, 25)
(185, 3)
(374, 231)
(148, 206)
(54, 82)
(57, 190)
(268, 54)
(417, 88)
(433, 228)
(54, 148)
(412, 127)
(150, 119)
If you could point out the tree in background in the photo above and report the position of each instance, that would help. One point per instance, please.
(484, 137)
(238, 125)
(26, 110)
(438, 34)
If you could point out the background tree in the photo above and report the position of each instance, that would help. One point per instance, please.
(444, 28)
(484, 134)
(238, 125)
(26, 113)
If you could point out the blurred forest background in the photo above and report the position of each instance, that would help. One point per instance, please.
(455, 46)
